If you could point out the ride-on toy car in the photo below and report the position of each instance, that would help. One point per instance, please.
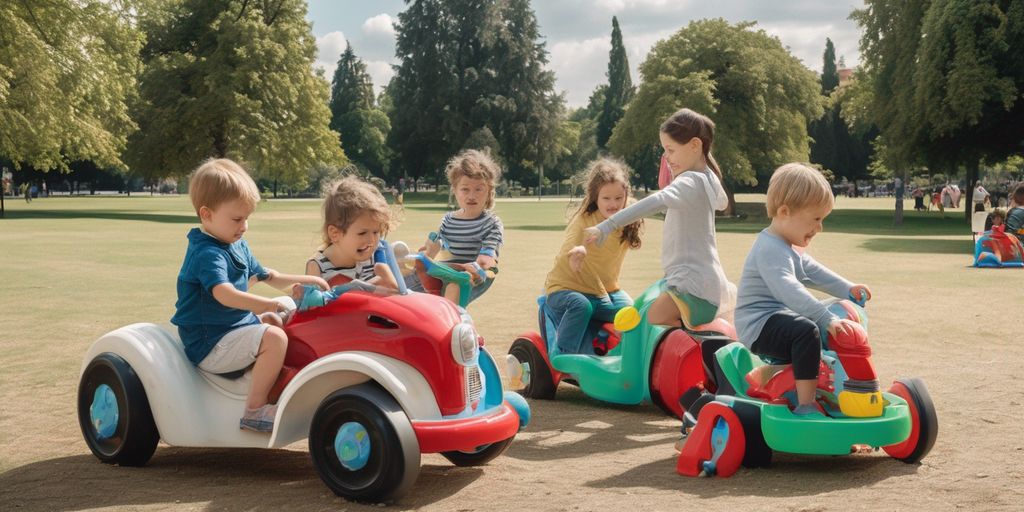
(747, 419)
(373, 381)
(637, 360)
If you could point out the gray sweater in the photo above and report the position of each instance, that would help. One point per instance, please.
(775, 278)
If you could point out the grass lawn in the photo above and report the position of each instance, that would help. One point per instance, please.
(72, 269)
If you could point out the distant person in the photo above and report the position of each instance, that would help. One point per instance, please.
(956, 194)
(215, 313)
(1015, 216)
(980, 198)
(400, 192)
(918, 195)
(25, 191)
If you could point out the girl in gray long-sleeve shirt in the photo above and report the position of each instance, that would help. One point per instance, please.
(697, 288)
(775, 314)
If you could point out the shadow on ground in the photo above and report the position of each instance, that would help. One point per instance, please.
(236, 479)
(101, 214)
(920, 245)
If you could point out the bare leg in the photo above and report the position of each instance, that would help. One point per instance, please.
(805, 390)
(664, 311)
(451, 292)
(268, 366)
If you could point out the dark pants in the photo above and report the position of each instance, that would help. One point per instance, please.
(790, 338)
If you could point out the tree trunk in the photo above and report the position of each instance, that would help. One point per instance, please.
(730, 209)
(972, 176)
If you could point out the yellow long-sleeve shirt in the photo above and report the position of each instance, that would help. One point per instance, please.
(601, 267)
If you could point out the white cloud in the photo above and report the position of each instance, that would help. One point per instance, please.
(380, 73)
(579, 67)
(381, 24)
(330, 47)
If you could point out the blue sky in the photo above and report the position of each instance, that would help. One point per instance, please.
(578, 32)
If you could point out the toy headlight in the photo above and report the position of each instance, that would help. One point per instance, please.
(465, 347)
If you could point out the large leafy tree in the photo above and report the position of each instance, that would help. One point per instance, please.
(620, 88)
(946, 79)
(67, 69)
(232, 78)
(363, 126)
(466, 65)
(759, 95)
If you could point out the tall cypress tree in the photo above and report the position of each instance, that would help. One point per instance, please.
(620, 87)
(829, 73)
(362, 126)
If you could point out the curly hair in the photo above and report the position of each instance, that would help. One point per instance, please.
(477, 165)
(601, 172)
(346, 199)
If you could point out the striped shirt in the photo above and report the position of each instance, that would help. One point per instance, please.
(362, 270)
(466, 239)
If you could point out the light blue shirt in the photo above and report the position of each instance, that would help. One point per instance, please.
(775, 278)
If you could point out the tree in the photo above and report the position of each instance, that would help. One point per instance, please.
(952, 98)
(829, 73)
(458, 59)
(620, 88)
(363, 127)
(759, 95)
(235, 79)
(67, 69)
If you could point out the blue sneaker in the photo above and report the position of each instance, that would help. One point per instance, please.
(259, 420)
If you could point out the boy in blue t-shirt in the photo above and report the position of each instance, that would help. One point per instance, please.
(215, 313)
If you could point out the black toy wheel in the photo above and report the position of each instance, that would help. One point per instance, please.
(114, 413)
(757, 454)
(924, 423)
(363, 445)
(541, 384)
(480, 456)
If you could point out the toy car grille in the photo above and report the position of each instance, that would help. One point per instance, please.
(473, 384)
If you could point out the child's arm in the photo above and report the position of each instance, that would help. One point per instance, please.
(778, 273)
(650, 205)
(824, 279)
(286, 281)
(384, 277)
(232, 297)
(491, 243)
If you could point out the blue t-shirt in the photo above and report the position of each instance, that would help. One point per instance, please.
(201, 320)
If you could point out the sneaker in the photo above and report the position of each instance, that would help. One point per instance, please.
(260, 419)
(518, 373)
(808, 410)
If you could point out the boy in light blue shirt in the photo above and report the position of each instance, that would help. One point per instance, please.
(215, 313)
(776, 316)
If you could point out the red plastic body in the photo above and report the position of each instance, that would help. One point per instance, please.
(699, 448)
(905, 448)
(466, 434)
(676, 367)
(854, 352)
(414, 328)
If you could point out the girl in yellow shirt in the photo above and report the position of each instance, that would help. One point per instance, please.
(584, 282)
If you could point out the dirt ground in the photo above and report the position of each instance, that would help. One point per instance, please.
(957, 328)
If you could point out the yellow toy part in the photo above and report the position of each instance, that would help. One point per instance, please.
(627, 319)
(861, 405)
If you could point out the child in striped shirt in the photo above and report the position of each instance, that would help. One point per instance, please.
(356, 217)
(473, 233)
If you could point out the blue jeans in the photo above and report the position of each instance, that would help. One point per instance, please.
(572, 312)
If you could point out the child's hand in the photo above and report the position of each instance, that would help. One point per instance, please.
(839, 326)
(485, 261)
(592, 235)
(318, 281)
(576, 255)
(860, 293)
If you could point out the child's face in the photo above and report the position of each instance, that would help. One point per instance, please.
(681, 157)
(997, 221)
(611, 197)
(798, 227)
(472, 195)
(358, 242)
(228, 222)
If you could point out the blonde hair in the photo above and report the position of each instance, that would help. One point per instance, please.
(797, 186)
(599, 173)
(346, 199)
(999, 212)
(220, 180)
(476, 165)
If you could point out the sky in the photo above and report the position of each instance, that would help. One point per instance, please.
(577, 33)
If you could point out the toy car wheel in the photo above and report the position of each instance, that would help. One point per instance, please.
(541, 384)
(924, 423)
(757, 453)
(480, 456)
(114, 413)
(363, 445)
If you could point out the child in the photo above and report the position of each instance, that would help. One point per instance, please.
(776, 316)
(585, 283)
(1015, 216)
(473, 233)
(215, 312)
(697, 288)
(997, 217)
(356, 216)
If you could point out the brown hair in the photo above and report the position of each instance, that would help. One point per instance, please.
(1018, 195)
(219, 180)
(686, 124)
(601, 172)
(477, 165)
(999, 212)
(797, 186)
(348, 198)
